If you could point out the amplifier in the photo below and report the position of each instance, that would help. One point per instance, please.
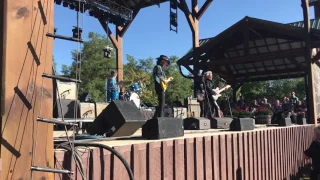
(87, 110)
(66, 90)
(176, 112)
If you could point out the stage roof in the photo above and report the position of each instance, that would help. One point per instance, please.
(255, 50)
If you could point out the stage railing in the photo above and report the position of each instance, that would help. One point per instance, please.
(266, 153)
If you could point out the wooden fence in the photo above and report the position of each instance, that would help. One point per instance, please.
(269, 153)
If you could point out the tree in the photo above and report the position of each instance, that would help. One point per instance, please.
(276, 88)
(142, 70)
(92, 64)
(180, 86)
(54, 64)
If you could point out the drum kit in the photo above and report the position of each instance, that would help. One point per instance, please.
(134, 92)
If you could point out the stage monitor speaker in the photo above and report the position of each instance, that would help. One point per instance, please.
(119, 118)
(284, 122)
(301, 120)
(163, 127)
(200, 123)
(242, 124)
(221, 123)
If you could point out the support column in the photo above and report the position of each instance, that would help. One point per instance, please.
(117, 42)
(310, 76)
(119, 53)
(193, 18)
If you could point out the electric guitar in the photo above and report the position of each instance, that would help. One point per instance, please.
(218, 91)
(163, 84)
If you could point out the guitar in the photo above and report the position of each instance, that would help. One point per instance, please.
(163, 84)
(218, 91)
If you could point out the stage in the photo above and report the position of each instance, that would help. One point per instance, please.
(264, 153)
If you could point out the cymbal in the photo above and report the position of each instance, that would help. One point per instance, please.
(124, 83)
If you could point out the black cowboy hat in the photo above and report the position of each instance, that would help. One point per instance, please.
(164, 57)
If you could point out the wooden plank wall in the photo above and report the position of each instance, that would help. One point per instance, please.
(265, 154)
(27, 53)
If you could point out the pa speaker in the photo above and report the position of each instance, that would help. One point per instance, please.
(163, 127)
(66, 108)
(301, 120)
(200, 123)
(242, 124)
(119, 118)
(221, 123)
(284, 122)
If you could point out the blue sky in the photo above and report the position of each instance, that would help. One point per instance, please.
(149, 34)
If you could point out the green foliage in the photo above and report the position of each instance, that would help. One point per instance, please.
(142, 69)
(54, 64)
(276, 88)
(93, 64)
(263, 112)
(180, 86)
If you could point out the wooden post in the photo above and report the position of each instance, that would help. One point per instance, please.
(310, 75)
(26, 53)
(117, 42)
(193, 18)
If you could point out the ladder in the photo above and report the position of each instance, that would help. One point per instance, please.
(55, 77)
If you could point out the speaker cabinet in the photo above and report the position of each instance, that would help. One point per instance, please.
(67, 109)
(221, 123)
(200, 123)
(242, 124)
(163, 127)
(301, 120)
(285, 122)
(119, 118)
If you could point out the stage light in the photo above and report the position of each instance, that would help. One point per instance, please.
(76, 31)
(173, 19)
(71, 6)
(58, 2)
(173, 4)
(174, 15)
(65, 4)
(107, 51)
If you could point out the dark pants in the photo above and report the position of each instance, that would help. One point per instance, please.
(202, 108)
(211, 107)
(161, 102)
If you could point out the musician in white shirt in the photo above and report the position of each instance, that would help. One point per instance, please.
(211, 105)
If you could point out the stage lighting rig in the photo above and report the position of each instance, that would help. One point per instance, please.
(107, 51)
(105, 9)
(174, 15)
(76, 32)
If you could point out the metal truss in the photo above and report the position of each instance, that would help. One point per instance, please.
(108, 6)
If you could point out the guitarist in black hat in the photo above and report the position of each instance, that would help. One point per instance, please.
(159, 77)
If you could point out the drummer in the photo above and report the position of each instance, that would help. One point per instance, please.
(112, 87)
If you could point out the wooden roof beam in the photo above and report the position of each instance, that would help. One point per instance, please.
(271, 72)
(261, 57)
(284, 76)
(295, 62)
(184, 8)
(203, 8)
(125, 27)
